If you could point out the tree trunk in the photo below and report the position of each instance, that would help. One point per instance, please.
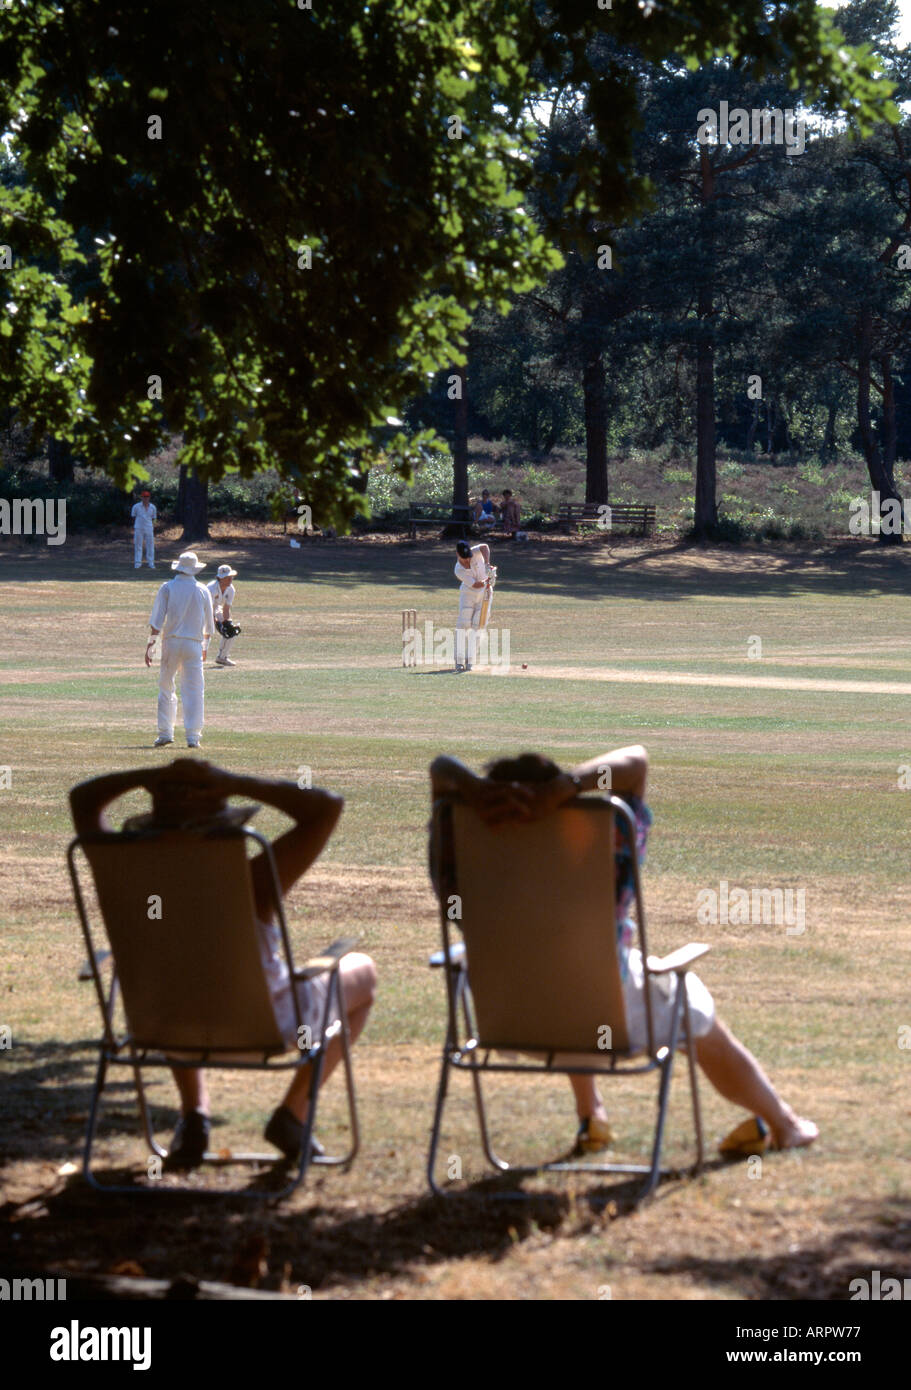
(460, 444)
(753, 427)
(706, 515)
(828, 439)
(59, 460)
(195, 507)
(361, 476)
(889, 426)
(881, 478)
(596, 480)
(706, 510)
(786, 432)
(180, 507)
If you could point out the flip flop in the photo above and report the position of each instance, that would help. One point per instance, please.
(748, 1138)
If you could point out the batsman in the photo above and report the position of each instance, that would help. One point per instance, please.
(476, 576)
(222, 591)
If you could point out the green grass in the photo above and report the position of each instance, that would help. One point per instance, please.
(758, 785)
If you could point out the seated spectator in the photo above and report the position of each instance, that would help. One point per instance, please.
(190, 794)
(485, 512)
(509, 512)
(531, 787)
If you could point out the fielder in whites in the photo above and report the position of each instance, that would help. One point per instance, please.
(222, 591)
(182, 613)
(476, 576)
(144, 515)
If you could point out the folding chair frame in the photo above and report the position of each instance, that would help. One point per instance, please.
(469, 1056)
(122, 1051)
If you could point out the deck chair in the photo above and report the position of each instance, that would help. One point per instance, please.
(179, 914)
(536, 971)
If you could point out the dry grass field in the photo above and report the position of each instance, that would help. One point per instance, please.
(777, 771)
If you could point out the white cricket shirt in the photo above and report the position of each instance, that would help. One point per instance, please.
(477, 570)
(183, 608)
(219, 599)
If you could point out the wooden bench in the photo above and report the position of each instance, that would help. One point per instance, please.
(439, 517)
(639, 516)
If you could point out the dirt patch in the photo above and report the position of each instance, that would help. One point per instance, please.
(634, 677)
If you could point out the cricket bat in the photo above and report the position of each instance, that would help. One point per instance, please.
(485, 606)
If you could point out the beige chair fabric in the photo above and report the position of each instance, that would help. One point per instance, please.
(538, 918)
(192, 978)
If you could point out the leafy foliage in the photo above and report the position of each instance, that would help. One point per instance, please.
(264, 227)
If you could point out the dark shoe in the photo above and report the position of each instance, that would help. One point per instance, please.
(287, 1134)
(191, 1139)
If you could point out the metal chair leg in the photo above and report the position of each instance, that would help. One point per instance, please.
(92, 1125)
(694, 1084)
(663, 1092)
(437, 1123)
(145, 1116)
(493, 1158)
(667, 1067)
(344, 1160)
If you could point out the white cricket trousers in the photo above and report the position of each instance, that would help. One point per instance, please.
(470, 603)
(181, 656)
(143, 535)
(225, 647)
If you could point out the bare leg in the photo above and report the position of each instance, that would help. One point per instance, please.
(736, 1074)
(191, 1085)
(358, 990)
(589, 1105)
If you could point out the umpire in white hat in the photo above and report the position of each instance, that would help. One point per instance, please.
(182, 613)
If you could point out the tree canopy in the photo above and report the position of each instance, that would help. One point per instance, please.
(263, 228)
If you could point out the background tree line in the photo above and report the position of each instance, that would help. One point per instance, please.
(260, 231)
(763, 301)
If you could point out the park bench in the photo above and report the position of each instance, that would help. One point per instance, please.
(457, 518)
(639, 516)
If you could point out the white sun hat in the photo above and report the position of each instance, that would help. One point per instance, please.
(225, 572)
(187, 564)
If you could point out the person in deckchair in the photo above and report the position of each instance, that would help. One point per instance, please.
(531, 787)
(189, 794)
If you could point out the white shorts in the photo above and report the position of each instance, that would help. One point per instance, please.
(663, 992)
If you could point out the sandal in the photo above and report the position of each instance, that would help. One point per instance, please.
(750, 1137)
